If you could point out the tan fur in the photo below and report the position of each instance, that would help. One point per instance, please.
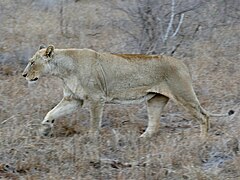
(93, 79)
(137, 56)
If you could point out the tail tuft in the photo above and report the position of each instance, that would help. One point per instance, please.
(231, 112)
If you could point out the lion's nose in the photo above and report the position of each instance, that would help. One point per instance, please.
(24, 75)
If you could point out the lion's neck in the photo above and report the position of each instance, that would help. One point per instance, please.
(62, 65)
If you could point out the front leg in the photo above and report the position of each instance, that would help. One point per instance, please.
(96, 111)
(66, 106)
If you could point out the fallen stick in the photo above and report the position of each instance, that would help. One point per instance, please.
(7, 119)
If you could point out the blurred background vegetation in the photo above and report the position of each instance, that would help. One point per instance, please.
(138, 26)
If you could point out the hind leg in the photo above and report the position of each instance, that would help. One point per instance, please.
(181, 89)
(202, 118)
(154, 108)
(188, 100)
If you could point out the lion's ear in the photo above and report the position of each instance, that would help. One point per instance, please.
(42, 46)
(49, 51)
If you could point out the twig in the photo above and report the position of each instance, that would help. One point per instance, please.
(143, 161)
(170, 22)
(179, 24)
(7, 119)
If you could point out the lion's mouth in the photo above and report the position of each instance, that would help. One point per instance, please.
(35, 79)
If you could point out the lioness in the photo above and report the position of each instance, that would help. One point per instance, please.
(94, 79)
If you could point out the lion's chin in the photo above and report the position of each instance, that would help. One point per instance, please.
(32, 81)
(35, 79)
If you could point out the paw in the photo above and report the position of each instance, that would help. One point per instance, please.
(48, 122)
(146, 135)
(203, 135)
(45, 130)
(93, 132)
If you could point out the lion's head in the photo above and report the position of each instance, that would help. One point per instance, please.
(39, 64)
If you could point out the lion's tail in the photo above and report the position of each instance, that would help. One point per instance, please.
(229, 113)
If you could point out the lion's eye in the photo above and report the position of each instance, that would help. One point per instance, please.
(32, 63)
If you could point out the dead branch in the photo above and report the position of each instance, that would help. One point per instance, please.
(178, 27)
(170, 22)
(7, 119)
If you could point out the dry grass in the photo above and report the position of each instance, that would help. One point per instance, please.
(176, 152)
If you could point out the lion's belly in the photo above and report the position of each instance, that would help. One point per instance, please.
(129, 96)
(137, 100)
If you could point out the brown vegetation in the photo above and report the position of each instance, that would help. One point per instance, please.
(177, 152)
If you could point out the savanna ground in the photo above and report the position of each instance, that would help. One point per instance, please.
(176, 152)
